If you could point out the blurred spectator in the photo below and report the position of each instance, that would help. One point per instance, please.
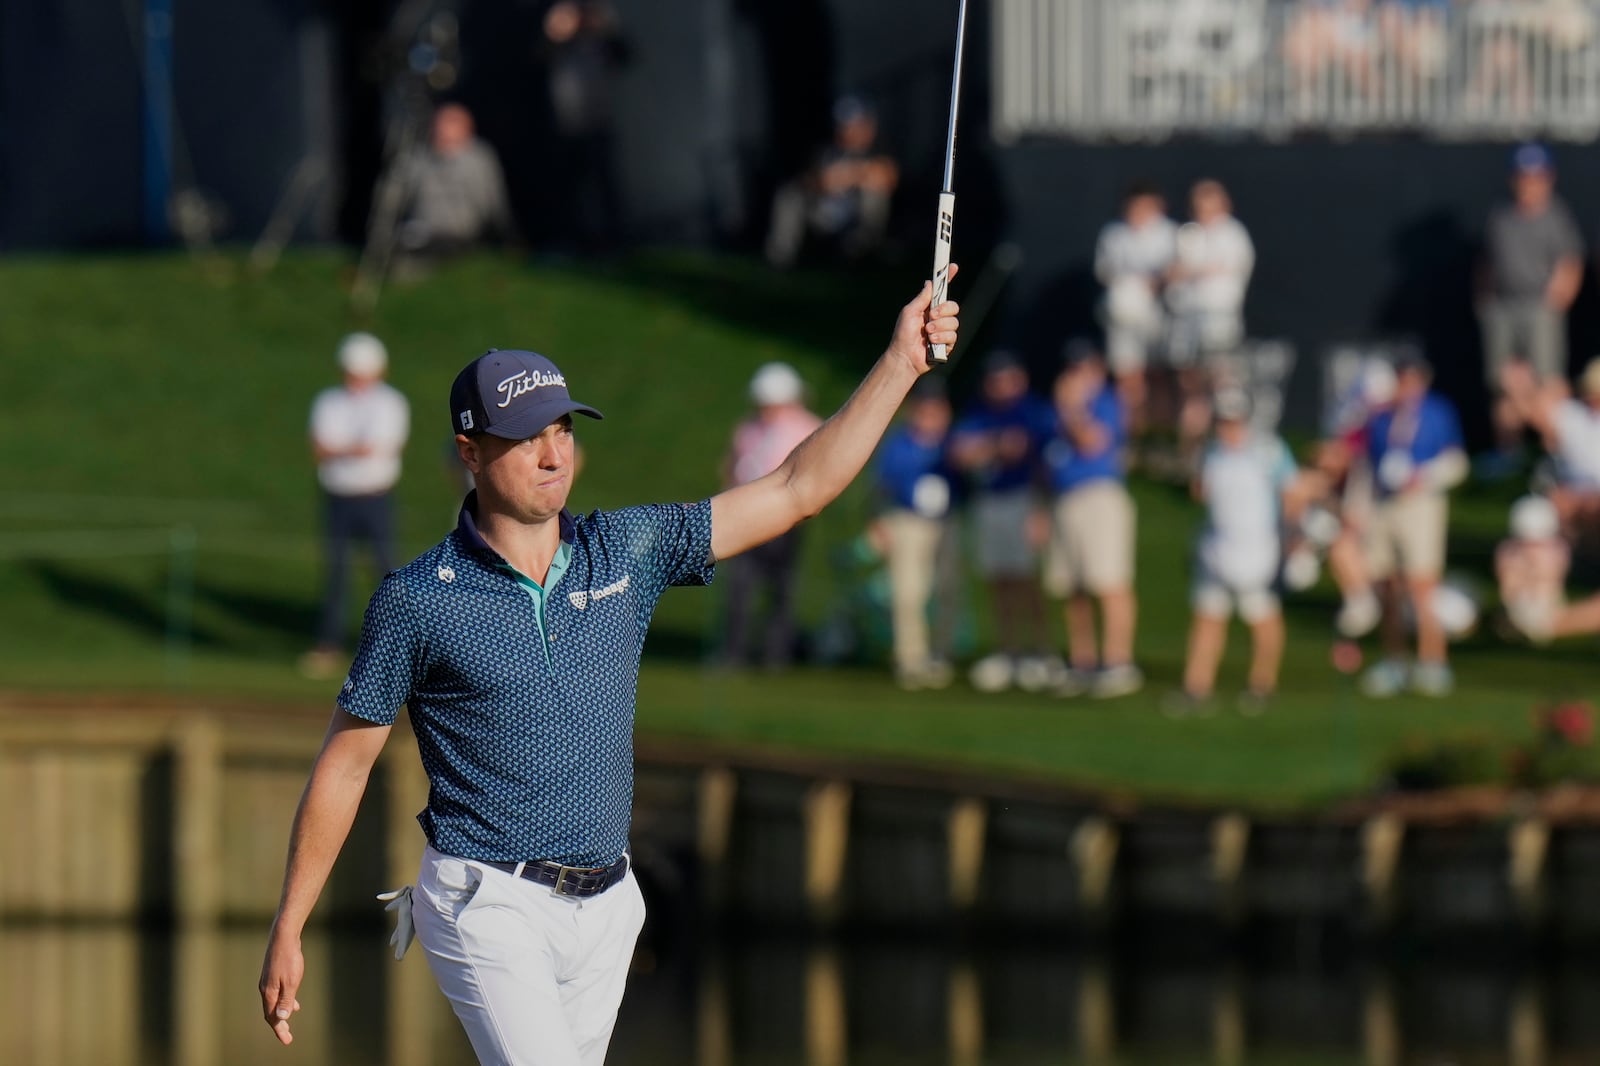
(1417, 456)
(1245, 482)
(358, 431)
(1208, 280)
(760, 445)
(1090, 555)
(1414, 35)
(844, 197)
(453, 193)
(1327, 39)
(1342, 476)
(996, 445)
(1571, 431)
(1131, 260)
(585, 51)
(917, 537)
(1531, 567)
(1516, 46)
(1533, 270)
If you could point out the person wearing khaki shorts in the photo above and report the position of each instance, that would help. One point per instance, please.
(1090, 554)
(915, 534)
(1417, 456)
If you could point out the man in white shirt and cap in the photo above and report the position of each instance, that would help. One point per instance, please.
(1206, 289)
(1131, 259)
(358, 431)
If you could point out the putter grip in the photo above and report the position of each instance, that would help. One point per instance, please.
(938, 353)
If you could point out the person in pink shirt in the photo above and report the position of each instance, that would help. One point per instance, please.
(779, 423)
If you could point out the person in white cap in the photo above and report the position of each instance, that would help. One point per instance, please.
(1245, 482)
(1531, 565)
(780, 422)
(358, 430)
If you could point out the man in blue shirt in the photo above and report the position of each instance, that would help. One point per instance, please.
(1416, 455)
(917, 537)
(1091, 552)
(996, 445)
(515, 645)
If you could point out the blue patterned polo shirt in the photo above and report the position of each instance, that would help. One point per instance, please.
(528, 755)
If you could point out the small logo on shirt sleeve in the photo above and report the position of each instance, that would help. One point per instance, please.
(446, 574)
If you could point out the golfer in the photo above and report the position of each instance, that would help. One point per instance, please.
(515, 644)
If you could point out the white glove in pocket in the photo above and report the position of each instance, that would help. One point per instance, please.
(404, 930)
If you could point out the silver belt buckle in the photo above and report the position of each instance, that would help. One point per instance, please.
(561, 881)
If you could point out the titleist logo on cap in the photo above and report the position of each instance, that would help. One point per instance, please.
(523, 382)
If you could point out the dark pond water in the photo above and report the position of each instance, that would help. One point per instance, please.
(106, 995)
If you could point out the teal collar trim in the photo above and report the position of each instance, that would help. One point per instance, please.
(539, 593)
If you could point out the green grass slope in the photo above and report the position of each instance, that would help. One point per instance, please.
(152, 394)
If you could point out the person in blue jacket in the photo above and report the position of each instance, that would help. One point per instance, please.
(1417, 456)
(917, 535)
(1090, 556)
(996, 445)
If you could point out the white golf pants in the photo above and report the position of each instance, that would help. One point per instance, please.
(535, 978)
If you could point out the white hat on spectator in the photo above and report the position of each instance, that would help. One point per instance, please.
(362, 355)
(776, 384)
(1377, 382)
(1534, 518)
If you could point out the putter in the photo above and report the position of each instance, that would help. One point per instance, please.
(939, 353)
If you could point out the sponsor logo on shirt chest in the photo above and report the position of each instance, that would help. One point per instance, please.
(581, 600)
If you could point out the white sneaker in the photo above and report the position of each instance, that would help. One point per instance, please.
(1039, 672)
(1115, 681)
(993, 673)
(1433, 679)
(930, 675)
(1074, 682)
(1386, 680)
(1359, 616)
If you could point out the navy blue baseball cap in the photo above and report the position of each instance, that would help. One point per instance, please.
(1532, 158)
(514, 395)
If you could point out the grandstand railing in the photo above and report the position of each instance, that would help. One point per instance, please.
(1151, 69)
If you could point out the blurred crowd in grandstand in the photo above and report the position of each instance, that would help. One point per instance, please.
(1463, 67)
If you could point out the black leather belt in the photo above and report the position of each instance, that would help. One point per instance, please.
(579, 882)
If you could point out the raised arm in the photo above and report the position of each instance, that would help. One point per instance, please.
(827, 461)
(321, 824)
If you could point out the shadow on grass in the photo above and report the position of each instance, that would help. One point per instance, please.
(142, 609)
(286, 616)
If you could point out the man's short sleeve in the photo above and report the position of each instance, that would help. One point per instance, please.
(1571, 424)
(324, 424)
(388, 664)
(1107, 410)
(1569, 236)
(672, 542)
(1450, 427)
